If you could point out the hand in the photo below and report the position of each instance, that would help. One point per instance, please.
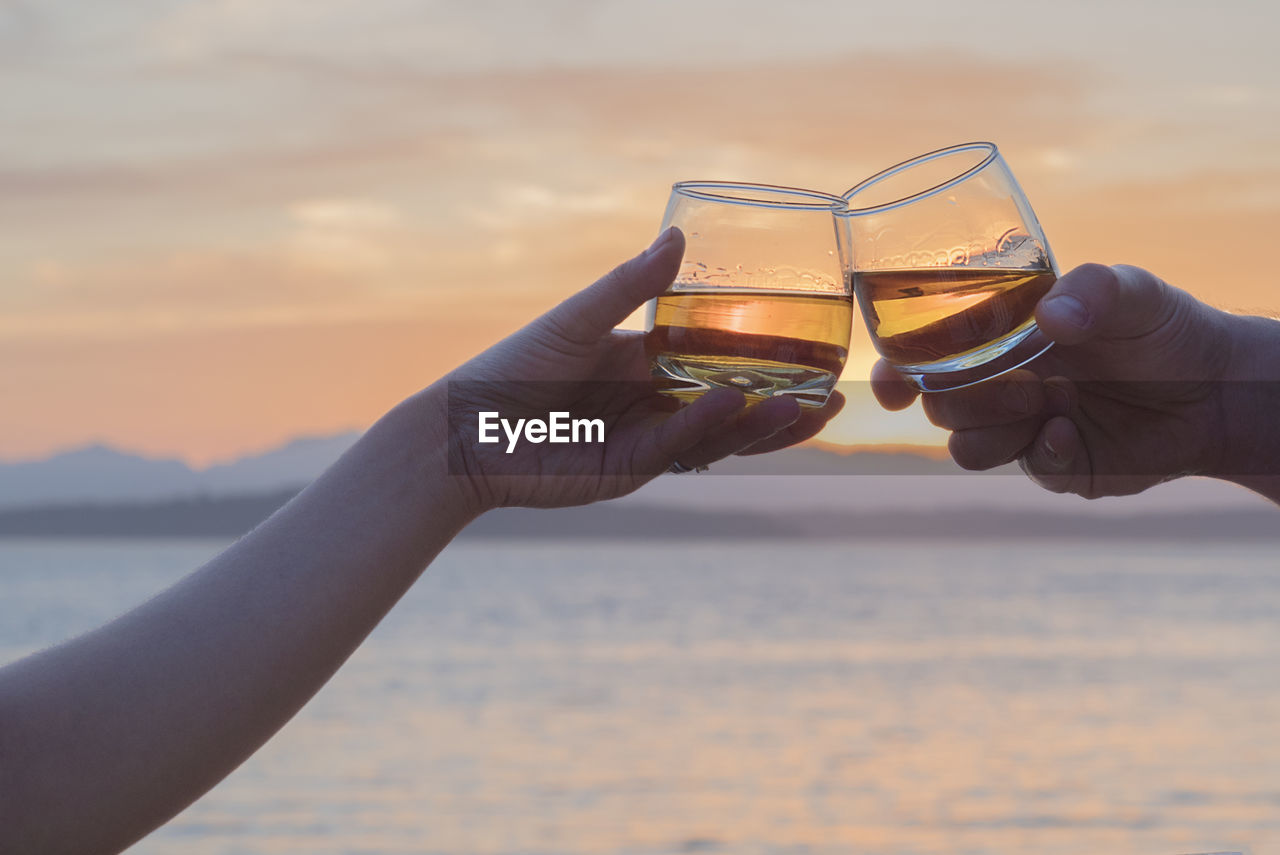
(572, 360)
(1131, 394)
(108, 735)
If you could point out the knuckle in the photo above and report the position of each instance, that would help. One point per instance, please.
(619, 275)
(940, 411)
(1093, 269)
(1083, 278)
(969, 452)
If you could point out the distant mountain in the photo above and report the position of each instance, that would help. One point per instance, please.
(98, 474)
(93, 473)
(292, 465)
(101, 490)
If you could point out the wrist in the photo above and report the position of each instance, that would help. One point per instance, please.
(441, 479)
(1249, 402)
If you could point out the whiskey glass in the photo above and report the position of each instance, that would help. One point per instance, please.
(948, 263)
(761, 302)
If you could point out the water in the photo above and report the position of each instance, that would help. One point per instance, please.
(644, 699)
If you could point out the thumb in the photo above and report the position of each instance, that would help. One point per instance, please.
(591, 313)
(1096, 301)
(889, 387)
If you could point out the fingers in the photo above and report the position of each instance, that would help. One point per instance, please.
(811, 421)
(690, 425)
(1111, 302)
(1056, 460)
(766, 426)
(988, 447)
(998, 421)
(593, 312)
(756, 424)
(890, 389)
(1012, 397)
(1060, 396)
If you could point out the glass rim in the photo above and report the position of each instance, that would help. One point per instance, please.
(706, 191)
(991, 154)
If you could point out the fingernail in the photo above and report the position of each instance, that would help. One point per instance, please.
(1069, 309)
(1014, 396)
(661, 240)
(1052, 452)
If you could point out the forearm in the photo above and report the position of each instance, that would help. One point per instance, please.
(106, 737)
(1251, 408)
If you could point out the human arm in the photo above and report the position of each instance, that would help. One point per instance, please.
(107, 736)
(1144, 384)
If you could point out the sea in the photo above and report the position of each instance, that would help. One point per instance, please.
(651, 697)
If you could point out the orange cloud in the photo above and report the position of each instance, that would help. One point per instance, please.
(443, 210)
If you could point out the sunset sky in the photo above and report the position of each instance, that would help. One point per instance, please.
(225, 224)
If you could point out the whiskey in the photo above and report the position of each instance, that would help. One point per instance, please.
(765, 343)
(928, 315)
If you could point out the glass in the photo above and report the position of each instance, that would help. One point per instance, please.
(761, 302)
(948, 262)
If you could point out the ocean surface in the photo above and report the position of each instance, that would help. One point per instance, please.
(651, 698)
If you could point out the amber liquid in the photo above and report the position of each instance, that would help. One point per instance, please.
(764, 343)
(927, 315)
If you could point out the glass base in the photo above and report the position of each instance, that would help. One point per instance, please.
(689, 377)
(980, 364)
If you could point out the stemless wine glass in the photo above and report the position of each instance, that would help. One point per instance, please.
(949, 262)
(761, 302)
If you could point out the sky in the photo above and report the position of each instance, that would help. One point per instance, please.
(225, 224)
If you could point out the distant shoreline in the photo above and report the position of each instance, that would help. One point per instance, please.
(232, 516)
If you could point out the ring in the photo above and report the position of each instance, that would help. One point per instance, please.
(679, 468)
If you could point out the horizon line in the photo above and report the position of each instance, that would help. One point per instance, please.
(931, 452)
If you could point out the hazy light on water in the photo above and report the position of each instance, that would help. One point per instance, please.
(616, 700)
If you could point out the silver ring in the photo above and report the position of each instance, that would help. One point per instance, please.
(679, 468)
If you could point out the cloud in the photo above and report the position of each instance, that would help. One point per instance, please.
(60, 300)
(376, 215)
(274, 189)
(430, 35)
(357, 214)
(1239, 95)
(510, 207)
(1200, 231)
(209, 393)
(345, 235)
